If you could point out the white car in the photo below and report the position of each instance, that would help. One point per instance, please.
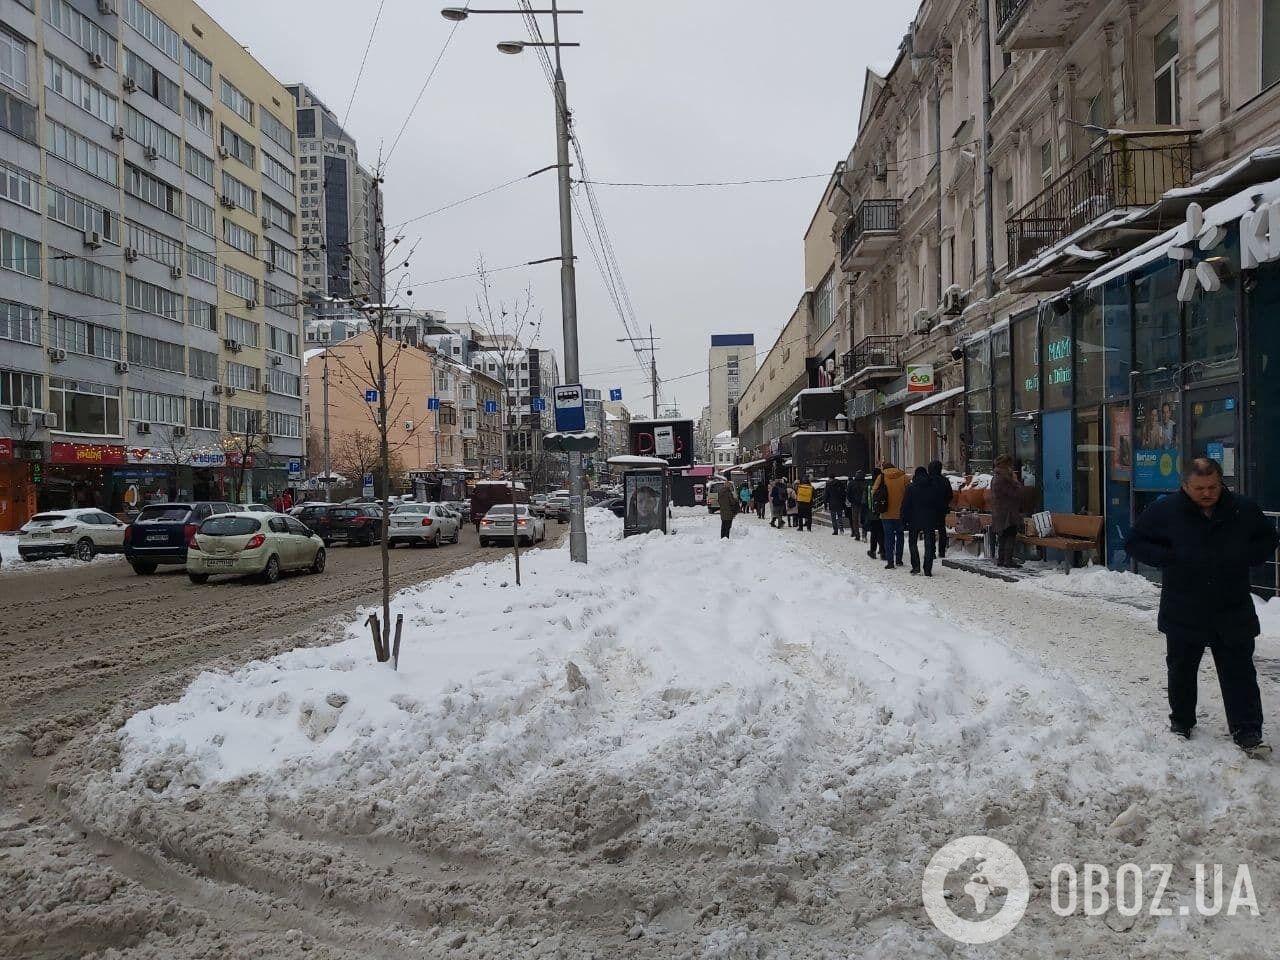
(78, 533)
(497, 525)
(430, 523)
(248, 543)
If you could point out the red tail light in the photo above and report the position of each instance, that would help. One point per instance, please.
(523, 523)
(189, 532)
(426, 521)
(128, 534)
(255, 542)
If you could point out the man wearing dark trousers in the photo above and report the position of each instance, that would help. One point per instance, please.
(727, 501)
(1204, 539)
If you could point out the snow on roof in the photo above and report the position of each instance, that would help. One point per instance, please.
(626, 460)
(308, 355)
(934, 400)
(1212, 183)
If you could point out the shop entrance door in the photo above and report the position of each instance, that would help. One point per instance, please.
(1058, 461)
(1213, 428)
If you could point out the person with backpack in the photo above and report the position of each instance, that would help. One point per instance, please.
(875, 529)
(834, 497)
(888, 492)
(804, 505)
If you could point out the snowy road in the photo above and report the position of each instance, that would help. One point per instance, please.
(700, 748)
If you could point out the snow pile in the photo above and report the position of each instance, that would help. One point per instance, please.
(1269, 617)
(10, 562)
(1099, 582)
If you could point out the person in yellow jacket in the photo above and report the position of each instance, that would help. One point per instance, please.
(889, 490)
(804, 504)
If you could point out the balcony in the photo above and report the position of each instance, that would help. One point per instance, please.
(868, 234)
(1037, 24)
(873, 360)
(1096, 202)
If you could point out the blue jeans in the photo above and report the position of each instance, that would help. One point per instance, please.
(837, 521)
(894, 541)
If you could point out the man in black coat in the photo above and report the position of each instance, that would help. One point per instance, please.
(1204, 539)
(942, 493)
(834, 497)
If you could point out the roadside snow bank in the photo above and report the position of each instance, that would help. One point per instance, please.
(11, 562)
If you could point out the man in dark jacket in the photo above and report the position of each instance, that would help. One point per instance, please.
(856, 495)
(759, 498)
(919, 515)
(942, 493)
(727, 501)
(1204, 539)
(834, 496)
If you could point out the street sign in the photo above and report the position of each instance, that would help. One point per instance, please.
(491, 406)
(571, 411)
(367, 485)
(371, 396)
(615, 394)
(295, 469)
(538, 404)
(433, 403)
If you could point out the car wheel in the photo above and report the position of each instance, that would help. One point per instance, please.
(198, 578)
(84, 549)
(484, 542)
(435, 541)
(143, 569)
(317, 565)
(271, 572)
(326, 542)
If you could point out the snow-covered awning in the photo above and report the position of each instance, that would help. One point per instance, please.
(749, 466)
(925, 406)
(628, 460)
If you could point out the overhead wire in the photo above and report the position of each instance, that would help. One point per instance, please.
(363, 60)
(422, 92)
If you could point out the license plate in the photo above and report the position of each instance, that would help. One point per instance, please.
(157, 538)
(220, 564)
(39, 536)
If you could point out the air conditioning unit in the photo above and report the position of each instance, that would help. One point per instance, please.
(144, 427)
(92, 239)
(117, 133)
(131, 254)
(57, 354)
(50, 420)
(271, 267)
(151, 153)
(217, 389)
(96, 61)
(267, 439)
(106, 8)
(231, 391)
(223, 152)
(175, 272)
(266, 221)
(232, 344)
(22, 416)
(921, 322)
(179, 431)
(250, 303)
(953, 301)
(122, 366)
(129, 84)
(266, 388)
(227, 202)
(880, 170)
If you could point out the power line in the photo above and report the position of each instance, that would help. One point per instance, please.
(458, 203)
(706, 183)
(363, 60)
(431, 73)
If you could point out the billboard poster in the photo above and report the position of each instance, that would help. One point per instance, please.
(646, 508)
(1156, 456)
(1121, 443)
(675, 435)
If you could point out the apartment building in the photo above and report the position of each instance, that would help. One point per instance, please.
(530, 374)
(148, 247)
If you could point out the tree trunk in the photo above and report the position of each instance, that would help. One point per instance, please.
(385, 470)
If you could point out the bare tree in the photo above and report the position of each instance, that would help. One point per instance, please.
(356, 453)
(243, 447)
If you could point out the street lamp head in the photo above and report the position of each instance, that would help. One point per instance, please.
(456, 14)
(511, 46)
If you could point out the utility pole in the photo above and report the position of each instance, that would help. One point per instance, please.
(653, 364)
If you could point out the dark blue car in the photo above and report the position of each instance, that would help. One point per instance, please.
(161, 533)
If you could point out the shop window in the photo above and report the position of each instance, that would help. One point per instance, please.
(1002, 378)
(1026, 362)
(1117, 338)
(1089, 350)
(1156, 328)
(1212, 338)
(1056, 355)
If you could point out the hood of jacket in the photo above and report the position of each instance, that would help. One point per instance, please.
(894, 473)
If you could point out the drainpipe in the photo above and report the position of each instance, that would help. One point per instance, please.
(989, 224)
(937, 161)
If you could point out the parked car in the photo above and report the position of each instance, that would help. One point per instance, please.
(256, 507)
(558, 506)
(497, 525)
(430, 523)
(538, 504)
(713, 491)
(161, 532)
(615, 505)
(79, 533)
(252, 543)
(315, 514)
(357, 523)
(487, 493)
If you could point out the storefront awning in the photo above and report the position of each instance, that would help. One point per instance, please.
(748, 467)
(925, 407)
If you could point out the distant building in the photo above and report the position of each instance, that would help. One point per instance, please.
(731, 362)
(724, 451)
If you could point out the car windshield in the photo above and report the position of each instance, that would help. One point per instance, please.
(48, 517)
(164, 513)
(346, 513)
(230, 526)
(412, 508)
(505, 511)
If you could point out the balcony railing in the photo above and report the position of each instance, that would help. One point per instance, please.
(1006, 12)
(871, 217)
(1124, 173)
(873, 358)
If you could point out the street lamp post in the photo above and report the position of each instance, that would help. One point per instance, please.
(568, 283)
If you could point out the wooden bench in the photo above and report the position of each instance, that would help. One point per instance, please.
(984, 521)
(1072, 533)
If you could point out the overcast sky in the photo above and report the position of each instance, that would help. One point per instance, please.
(661, 91)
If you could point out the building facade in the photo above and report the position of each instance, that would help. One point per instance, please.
(530, 375)
(731, 361)
(149, 216)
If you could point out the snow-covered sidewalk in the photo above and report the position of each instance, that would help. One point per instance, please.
(741, 748)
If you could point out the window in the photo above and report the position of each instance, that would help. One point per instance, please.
(241, 194)
(153, 245)
(278, 215)
(1270, 33)
(237, 328)
(246, 241)
(1046, 162)
(243, 421)
(200, 216)
(151, 81)
(80, 30)
(81, 152)
(74, 211)
(237, 101)
(157, 407)
(144, 130)
(280, 300)
(197, 65)
(238, 146)
(88, 408)
(15, 62)
(201, 364)
(283, 424)
(17, 116)
(202, 315)
(1009, 208)
(79, 336)
(242, 376)
(160, 354)
(21, 389)
(277, 172)
(239, 283)
(203, 415)
(276, 131)
(80, 90)
(198, 115)
(83, 276)
(19, 253)
(19, 186)
(163, 37)
(281, 381)
(199, 166)
(152, 190)
(1168, 105)
(149, 298)
(282, 341)
(19, 322)
(282, 258)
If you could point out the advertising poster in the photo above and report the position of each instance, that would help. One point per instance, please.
(1156, 459)
(1121, 444)
(646, 510)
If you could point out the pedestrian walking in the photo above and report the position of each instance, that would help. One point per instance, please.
(889, 490)
(1204, 539)
(856, 494)
(942, 494)
(919, 515)
(804, 505)
(727, 501)
(760, 497)
(834, 497)
(778, 503)
(875, 527)
(1006, 510)
(793, 508)
(744, 498)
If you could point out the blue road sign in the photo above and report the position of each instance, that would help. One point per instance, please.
(538, 404)
(433, 403)
(615, 393)
(571, 411)
(491, 406)
(371, 396)
(295, 467)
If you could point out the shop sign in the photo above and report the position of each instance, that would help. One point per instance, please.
(920, 378)
(210, 459)
(1059, 354)
(236, 459)
(88, 454)
(6, 449)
